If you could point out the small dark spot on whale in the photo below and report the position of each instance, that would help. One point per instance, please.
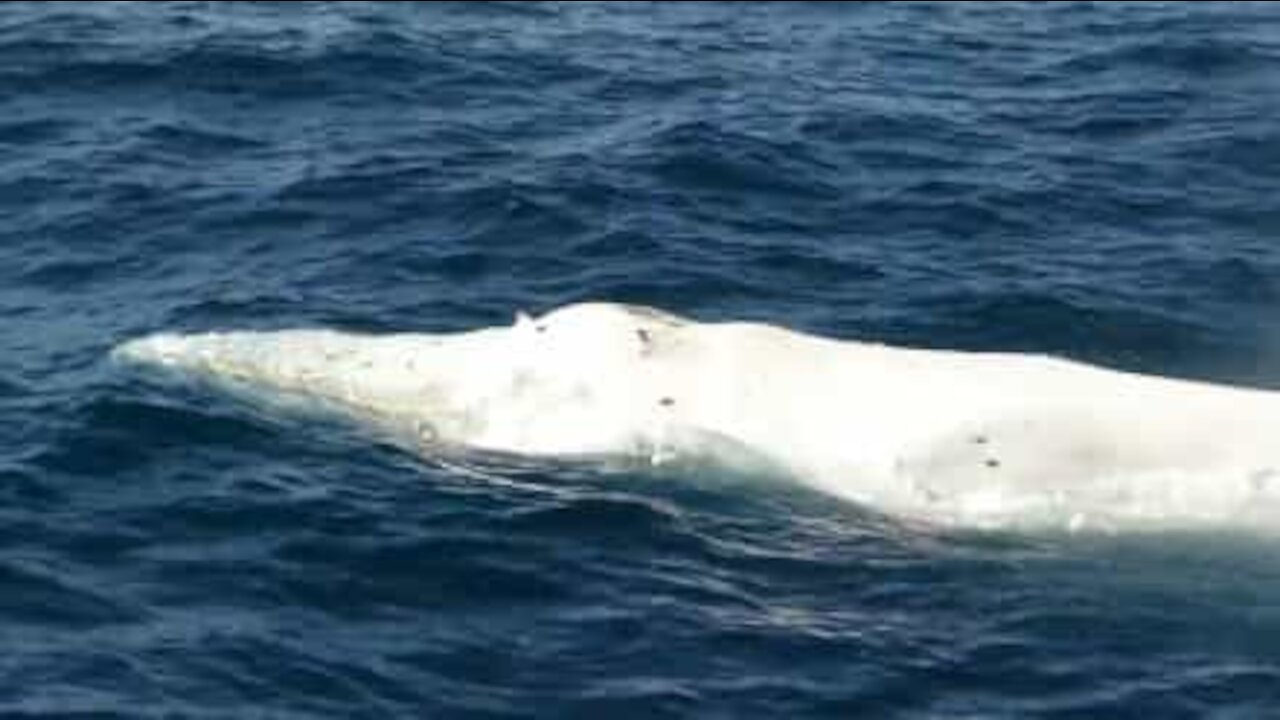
(540, 328)
(667, 402)
(992, 463)
(979, 439)
(646, 342)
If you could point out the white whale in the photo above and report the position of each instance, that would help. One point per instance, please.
(971, 438)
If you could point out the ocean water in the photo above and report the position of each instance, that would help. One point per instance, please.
(1090, 180)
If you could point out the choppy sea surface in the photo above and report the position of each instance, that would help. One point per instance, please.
(1090, 180)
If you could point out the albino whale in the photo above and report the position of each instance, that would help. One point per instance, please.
(951, 436)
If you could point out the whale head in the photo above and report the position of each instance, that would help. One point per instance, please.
(579, 379)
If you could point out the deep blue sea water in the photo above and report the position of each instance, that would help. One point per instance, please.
(1091, 180)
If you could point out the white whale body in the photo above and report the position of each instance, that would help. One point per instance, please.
(952, 436)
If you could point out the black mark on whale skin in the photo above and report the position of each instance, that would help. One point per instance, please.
(992, 463)
(979, 440)
(646, 341)
(667, 402)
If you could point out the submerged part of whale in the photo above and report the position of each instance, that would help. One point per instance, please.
(949, 436)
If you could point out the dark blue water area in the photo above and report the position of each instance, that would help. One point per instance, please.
(1089, 180)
